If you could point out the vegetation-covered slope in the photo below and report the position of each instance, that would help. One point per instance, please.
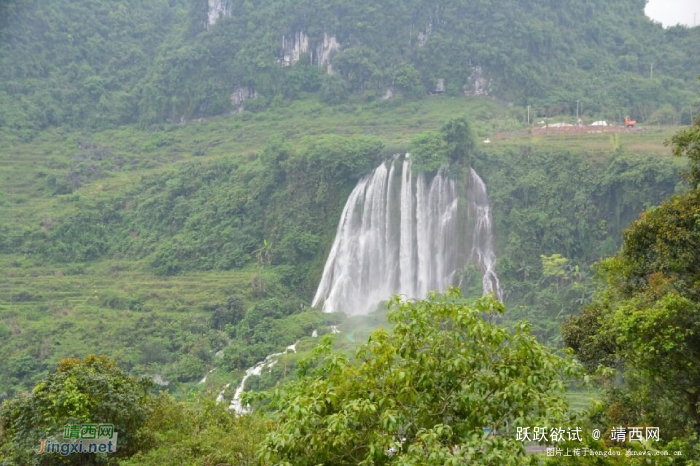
(153, 245)
(645, 322)
(189, 250)
(96, 64)
(77, 64)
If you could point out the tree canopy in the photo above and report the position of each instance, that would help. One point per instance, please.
(96, 64)
(91, 390)
(446, 386)
(646, 321)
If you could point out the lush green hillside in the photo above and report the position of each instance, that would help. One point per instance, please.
(77, 64)
(162, 247)
(96, 64)
(172, 174)
(643, 323)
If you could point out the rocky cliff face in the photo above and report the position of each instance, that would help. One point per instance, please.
(320, 51)
(240, 95)
(293, 47)
(217, 8)
(423, 36)
(478, 83)
(326, 50)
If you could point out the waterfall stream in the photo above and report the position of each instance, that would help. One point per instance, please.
(267, 363)
(401, 233)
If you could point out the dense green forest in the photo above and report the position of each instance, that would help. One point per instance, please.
(172, 174)
(92, 64)
(256, 230)
(188, 259)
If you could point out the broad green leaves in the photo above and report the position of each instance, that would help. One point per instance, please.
(92, 390)
(424, 393)
(687, 143)
(646, 321)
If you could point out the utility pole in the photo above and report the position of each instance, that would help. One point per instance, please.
(528, 114)
(651, 72)
(577, 110)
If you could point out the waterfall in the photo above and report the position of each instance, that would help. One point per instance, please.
(269, 362)
(482, 248)
(401, 233)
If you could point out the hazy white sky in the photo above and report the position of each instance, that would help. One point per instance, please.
(672, 12)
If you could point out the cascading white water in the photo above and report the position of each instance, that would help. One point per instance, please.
(404, 234)
(482, 250)
(269, 362)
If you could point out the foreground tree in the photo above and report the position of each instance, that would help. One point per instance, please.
(646, 321)
(447, 386)
(87, 391)
(202, 433)
(686, 143)
(153, 430)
